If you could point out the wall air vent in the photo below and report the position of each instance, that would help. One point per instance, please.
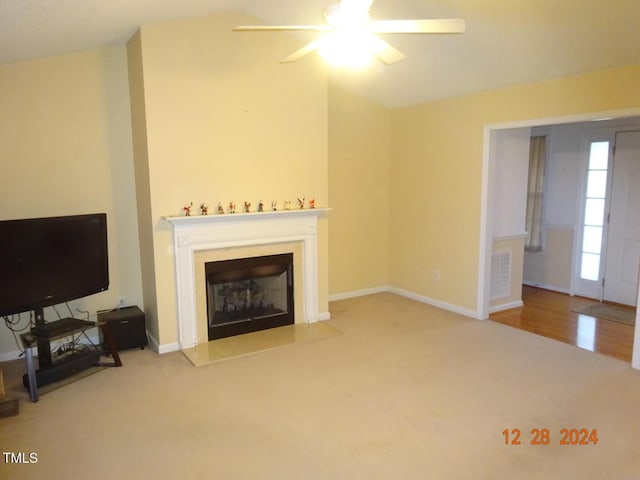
(500, 274)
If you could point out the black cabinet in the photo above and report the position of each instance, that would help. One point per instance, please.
(127, 327)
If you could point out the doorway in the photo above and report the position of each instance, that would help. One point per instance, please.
(489, 186)
(590, 227)
(607, 248)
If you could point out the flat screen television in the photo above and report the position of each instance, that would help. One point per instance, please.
(47, 261)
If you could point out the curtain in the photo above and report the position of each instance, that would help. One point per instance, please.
(535, 194)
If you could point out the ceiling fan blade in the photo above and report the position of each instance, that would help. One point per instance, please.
(278, 28)
(298, 54)
(384, 51)
(445, 25)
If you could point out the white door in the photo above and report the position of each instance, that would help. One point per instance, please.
(623, 239)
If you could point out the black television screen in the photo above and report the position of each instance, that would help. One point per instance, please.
(46, 261)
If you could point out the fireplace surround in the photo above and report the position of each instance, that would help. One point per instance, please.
(205, 238)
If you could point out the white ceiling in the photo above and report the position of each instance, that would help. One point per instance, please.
(507, 41)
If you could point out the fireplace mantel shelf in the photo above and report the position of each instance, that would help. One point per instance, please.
(244, 216)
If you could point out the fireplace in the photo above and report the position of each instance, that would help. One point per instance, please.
(249, 294)
(200, 239)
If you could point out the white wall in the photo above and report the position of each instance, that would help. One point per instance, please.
(509, 200)
(562, 174)
(551, 268)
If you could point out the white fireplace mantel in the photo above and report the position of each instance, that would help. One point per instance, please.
(210, 232)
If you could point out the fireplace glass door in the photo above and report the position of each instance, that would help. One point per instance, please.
(249, 294)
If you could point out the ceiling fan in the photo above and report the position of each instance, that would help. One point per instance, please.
(349, 28)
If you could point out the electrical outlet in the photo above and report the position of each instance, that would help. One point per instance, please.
(121, 301)
(436, 275)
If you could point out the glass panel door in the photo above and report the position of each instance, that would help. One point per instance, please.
(593, 224)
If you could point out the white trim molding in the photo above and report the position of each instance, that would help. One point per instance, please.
(546, 286)
(506, 306)
(514, 236)
(404, 293)
(434, 303)
(164, 348)
(359, 293)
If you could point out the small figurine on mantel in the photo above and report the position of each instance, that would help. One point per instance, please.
(312, 202)
(274, 205)
(301, 202)
(232, 207)
(260, 206)
(247, 206)
(220, 208)
(204, 209)
(287, 204)
(187, 209)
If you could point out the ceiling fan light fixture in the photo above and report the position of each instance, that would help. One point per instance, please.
(345, 48)
(341, 16)
(350, 35)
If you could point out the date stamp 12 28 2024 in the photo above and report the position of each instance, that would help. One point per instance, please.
(543, 436)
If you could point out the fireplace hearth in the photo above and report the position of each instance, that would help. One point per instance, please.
(249, 294)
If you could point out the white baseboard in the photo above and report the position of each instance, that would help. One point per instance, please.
(162, 349)
(407, 294)
(153, 343)
(168, 348)
(358, 293)
(434, 303)
(553, 288)
(319, 317)
(506, 306)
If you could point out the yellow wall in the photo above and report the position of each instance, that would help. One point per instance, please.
(359, 136)
(226, 121)
(65, 148)
(436, 155)
(142, 182)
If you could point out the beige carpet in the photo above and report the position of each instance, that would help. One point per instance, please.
(626, 315)
(406, 391)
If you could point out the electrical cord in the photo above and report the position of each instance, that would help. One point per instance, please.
(57, 313)
(13, 325)
(85, 312)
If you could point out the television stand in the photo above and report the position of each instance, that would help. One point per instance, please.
(45, 332)
(41, 336)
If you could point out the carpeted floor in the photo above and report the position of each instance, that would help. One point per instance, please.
(406, 391)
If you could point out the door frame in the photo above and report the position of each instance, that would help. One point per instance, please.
(488, 180)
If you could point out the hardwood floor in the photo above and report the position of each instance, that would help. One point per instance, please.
(550, 314)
